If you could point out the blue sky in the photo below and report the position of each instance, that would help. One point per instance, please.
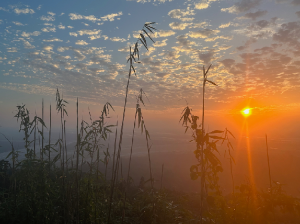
(81, 48)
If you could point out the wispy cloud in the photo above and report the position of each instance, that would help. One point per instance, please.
(255, 15)
(73, 34)
(160, 43)
(11, 49)
(181, 14)
(242, 6)
(151, 1)
(88, 32)
(81, 42)
(48, 18)
(75, 16)
(62, 27)
(49, 29)
(54, 39)
(178, 25)
(111, 17)
(4, 9)
(225, 25)
(165, 33)
(24, 11)
(117, 39)
(18, 23)
(48, 48)
(203, 33)
(204, 4)
(35, 33)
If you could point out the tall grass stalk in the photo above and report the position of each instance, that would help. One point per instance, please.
(49, 144)
(131, 61)
(77, 163)
(112, 185)
(202, 144)
(42, 156)
(162, 175)
(65, 145)
(34, 141)
(132, 140)
(270, 179)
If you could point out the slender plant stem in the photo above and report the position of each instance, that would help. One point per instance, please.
(132, 139)
(42, 156)
(112, 176)
(34, 137)
(121, 132)
(65, 142)
(50, 141)
(162, 175)
(269, 164)
(77, 162)
(202, 150)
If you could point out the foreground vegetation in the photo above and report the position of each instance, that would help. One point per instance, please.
(52, 186)
(32, 194)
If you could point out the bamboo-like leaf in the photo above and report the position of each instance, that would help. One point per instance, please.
(186, 128)
(139, 116)
(232, 159)
(215, 131)
(211, 82)
(215, 137)
(146, 24)
(151, 27)
(142, 126)
(132, 56)
(66, 112)
(207, 70)
(133, 70)
(41, 121)
(143, 43)
(148, 29)
(230, 133)
(147, 133)
(9, 154)
(148, 35)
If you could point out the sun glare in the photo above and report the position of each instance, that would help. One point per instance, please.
(246, 112)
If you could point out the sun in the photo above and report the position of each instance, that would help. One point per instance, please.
(246, 112)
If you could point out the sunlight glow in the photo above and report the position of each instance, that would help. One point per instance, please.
(246, 112)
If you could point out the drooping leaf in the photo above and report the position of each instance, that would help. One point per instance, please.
(215, 131)
(207, 70)
(230, 133)
(133, 70)
(148, 35)
(146, 24)
(212, 82)
(145, 44)
(151, 27)
(186, 128)
(147, 134)
(215, 137)
(148, 29)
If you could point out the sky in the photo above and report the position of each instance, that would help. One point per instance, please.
(81, 48)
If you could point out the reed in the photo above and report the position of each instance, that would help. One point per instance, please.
(42, 151)
(270, 179)
(49, 144)
(131, 60)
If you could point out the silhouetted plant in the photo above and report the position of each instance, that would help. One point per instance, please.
(132, 59)
(208, 164)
